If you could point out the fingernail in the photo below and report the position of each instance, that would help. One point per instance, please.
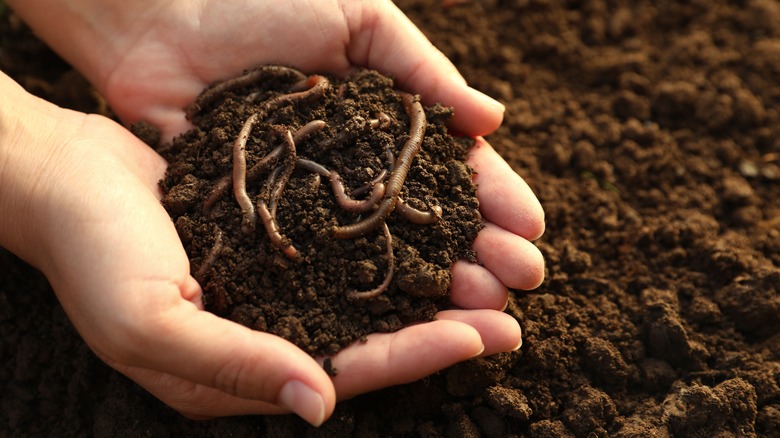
(488, 101)
(480, 352)
(519, 344)
(304, 401)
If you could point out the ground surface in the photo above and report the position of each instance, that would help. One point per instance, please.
(649, 130)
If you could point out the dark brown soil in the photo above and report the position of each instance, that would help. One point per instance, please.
(650, 130)
(307, 297)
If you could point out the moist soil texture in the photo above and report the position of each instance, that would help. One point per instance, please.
(650, 131)
(320, 291)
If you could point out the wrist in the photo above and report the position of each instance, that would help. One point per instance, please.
(27, 126)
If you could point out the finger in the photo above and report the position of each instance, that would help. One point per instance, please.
(474, 287)
(383, 38)
(499, 331)
(193, 400)
(202, 348)
(504, 197)
(513, 260)
(410, 354)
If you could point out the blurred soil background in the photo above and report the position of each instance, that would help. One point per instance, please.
(650, 130)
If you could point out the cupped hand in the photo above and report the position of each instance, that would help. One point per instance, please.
(162, 54)
(120, 270)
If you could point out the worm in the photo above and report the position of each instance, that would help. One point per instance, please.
(390, 270)
(274, 186)
(396, 180)
(216, 193)
(239, 176)
(370, 186)
(284, 175)
(208, 262)
(313, 88)
(379, 178)
(272, 228)
(261, 166)
(340, 192)
(313, 166)
(348, 131)
(382, 121)
(318, 85)
(251, 174)
(416, 216)
(247, 78)
(353, 205)
(308, 129)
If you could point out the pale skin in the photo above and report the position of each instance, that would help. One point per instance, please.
(80, 201)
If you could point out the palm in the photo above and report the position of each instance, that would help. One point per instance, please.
(176, 55)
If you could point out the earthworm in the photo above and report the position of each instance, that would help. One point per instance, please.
(396, 180)
(208, 262)
(316, 169)
(350, 204)
(219, 189)
(274, 186)
(382, 121)
(313, 166)
(270, 182)
(340, 192)
(349, 130)
(313, 88)
(239, 176)
(412, 146)
(318, 85)
(261, 166)
(222, 185)
(379, 178)
(416, 216)
(247, 78)
(284, 175)
(365, 188)
(390, 270)
(355, 126)
(308, 129)
(272, 228)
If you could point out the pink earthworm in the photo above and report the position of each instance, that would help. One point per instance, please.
(249, 216)
(396, 180)
(416, 216)
(261, 166)
(272, 228)
(248, 78)
(390, 270)
(211, 258)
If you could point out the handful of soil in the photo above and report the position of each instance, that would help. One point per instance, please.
(320, 210)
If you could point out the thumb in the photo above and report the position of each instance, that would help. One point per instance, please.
(206, 366)
(383, 38)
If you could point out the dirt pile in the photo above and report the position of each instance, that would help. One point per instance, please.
(319, 270)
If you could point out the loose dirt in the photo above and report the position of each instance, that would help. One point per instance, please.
(650, 132)
(317, 290)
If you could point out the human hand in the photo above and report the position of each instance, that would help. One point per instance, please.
(79, 198)
(158, 62)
